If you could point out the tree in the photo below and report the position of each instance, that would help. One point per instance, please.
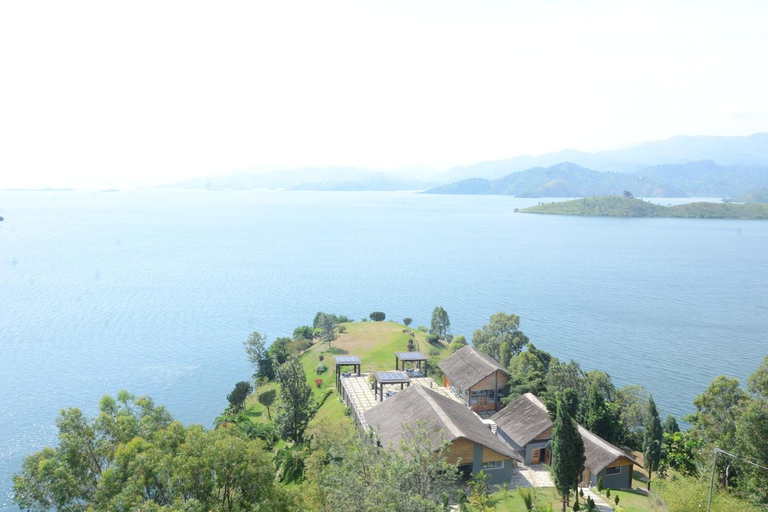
(296, 404)
(678, 452)
(717, 410)
(326, 328)
(627, 193)
(407, 321)
(377, 316)
(303, 332)
(502, 327)
(267, 398)
(504, 354)
(652, 440)
(567, 452)
(599, 418)
(441, 324)
(134, 456)
(670, 425)
(458, 342)
(255, 349)
(357, 474)
(238, 395)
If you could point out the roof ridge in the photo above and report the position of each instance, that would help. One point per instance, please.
(599, 440)
(536, 401)
(450, 425)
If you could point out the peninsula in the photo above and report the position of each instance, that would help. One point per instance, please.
(621, 206)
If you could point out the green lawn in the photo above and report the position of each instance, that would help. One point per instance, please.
(514, 503)
(373, 342)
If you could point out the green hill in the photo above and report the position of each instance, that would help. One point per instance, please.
(757, 195)
(561, 180)
(373, 342)
(620, 206)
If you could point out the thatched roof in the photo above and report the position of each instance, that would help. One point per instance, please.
(440, 415)
(468, 366)
(527, 418)
(600, 453)
(524, 419)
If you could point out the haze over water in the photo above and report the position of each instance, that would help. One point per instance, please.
(154, 291)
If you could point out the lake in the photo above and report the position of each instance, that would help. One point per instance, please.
(154, 291)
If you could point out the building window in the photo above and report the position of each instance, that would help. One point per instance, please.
(613, 471)
(496, 464)
(483, 397)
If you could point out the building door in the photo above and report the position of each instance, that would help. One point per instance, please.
(535, 456)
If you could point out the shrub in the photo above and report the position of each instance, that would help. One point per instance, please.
(411, 347)
(600, 484)
(347, 411)
(526, 494)
(407, 321)
(318, 382)
(363, 319)
(608, 493)
(576, 507)
(321, 357)
(321, 368)
(341, 329)
(433, 352)
(422, 328)
(616, 500)
(378, 316)
(433, 338)
(581, 492)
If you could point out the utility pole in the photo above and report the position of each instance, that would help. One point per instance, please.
(714, 469)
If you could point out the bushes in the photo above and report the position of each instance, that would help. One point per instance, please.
(600, 484)
(319, 383)
(378, 316)
(407, 321)
(433, 339)
(321, 368)
(422, 328)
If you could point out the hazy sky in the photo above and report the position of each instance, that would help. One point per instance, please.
(129, 93)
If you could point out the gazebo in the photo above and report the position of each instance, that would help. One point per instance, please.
(381, 379)
(415, 358)
(342, 361)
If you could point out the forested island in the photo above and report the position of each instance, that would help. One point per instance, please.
(290, 440)
(627, 206)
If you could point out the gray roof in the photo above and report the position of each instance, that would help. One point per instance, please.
(439, 414)
(600, 453)
(347, 360)
(524, 419)
(468, 366)
(410, 356)
(391, 377)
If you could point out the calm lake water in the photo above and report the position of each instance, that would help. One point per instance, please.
(154, 291)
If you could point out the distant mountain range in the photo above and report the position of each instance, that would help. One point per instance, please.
(751, 150)
(694, 179)
(308, 178)
(677, 167)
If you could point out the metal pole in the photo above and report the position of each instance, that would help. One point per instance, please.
(712, 481)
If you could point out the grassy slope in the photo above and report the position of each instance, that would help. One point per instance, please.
(619, 206)
(373, 342)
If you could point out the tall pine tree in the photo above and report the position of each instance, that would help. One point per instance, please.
(567, 452)
(296, 404)
(652, 438)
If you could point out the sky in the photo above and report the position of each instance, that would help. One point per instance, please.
(121, 94)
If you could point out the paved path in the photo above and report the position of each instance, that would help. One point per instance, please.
(535, 475)
(601, 505)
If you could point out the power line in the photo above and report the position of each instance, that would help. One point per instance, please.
(714, 466)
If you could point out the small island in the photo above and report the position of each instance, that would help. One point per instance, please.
(627, 206)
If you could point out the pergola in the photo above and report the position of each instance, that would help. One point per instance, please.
(342, 361)
(381, 379)
(411, 357)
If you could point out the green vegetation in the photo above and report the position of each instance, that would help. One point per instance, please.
(567, 452)
(756, 195)
(134, 455)
(441, 324)
(622, 206)
(652, 439)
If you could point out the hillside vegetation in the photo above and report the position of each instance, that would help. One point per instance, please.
(757, 195)
(620, 206)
